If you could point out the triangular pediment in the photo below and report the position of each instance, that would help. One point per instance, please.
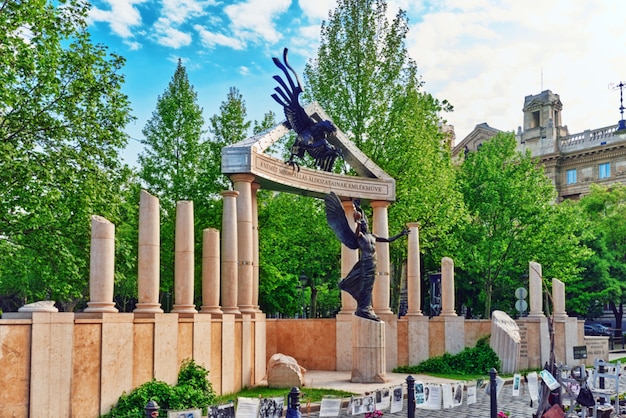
(248, 156)
(481, 133)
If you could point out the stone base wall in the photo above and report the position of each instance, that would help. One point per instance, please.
(78, 365)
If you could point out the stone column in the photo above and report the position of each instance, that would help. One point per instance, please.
(211, 272)
(535, 289)
(245, 274)
(101, 266)
(184, 259)
(229, 253)
(255, 247)
(348, 260)
(343, 345)
(558, 299)
(380, 296)
(148, 258)
(413, 274)
(447, 287)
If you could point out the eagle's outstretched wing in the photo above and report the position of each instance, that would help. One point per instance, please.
(288, 98)
(336, 217)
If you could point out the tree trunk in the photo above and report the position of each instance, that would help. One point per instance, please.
(618, 313)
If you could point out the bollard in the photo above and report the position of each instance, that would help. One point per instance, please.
(410, 396)
(493, 392)
(152, 409)
(293, 403)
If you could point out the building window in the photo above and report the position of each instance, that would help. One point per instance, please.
(571, 176)
(604, 171)
(535, 122)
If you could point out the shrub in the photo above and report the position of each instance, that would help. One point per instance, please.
(193, 390)
(470, 361)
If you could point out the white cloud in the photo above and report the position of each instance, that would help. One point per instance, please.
(170, 36)
(486, 56)
(174, 14)
(121, 17)
(317, 10)
(211, 39)
(132, 45)
(178, 11)
(253, 20)
(243, 70)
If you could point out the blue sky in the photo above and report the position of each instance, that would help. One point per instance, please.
(484, 56)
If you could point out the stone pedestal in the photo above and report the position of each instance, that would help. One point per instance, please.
(418, 338)
(343, 345)
(368, 351)
(535, 342)
(565, 339)
(391, 340)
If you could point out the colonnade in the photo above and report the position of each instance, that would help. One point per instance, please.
(230, 272)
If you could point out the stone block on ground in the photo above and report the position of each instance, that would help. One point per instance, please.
(505, 341)
(284, 372)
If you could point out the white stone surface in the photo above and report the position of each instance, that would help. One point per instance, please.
(505, 341)
(284, 372)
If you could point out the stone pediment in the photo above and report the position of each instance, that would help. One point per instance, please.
(248, 156)
(481, 133)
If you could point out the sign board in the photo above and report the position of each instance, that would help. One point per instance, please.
(580, 352)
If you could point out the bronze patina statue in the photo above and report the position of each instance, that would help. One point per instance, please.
(311, 135)
(359, 282)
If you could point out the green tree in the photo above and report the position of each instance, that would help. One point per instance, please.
(173, 163)
(513, 219)
(294, 239)
(61, 128)
(366, 81)
(268, 121)
(604, 280)
(226, 128)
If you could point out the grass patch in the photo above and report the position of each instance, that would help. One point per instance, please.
(312, 395)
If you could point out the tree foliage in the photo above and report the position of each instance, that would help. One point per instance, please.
(604, 280)
(226, 128)
(513, 219)
(295, 239)
(172, 165)
(62, 115)
(366, 81)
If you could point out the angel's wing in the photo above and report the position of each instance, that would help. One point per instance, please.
(336, 217)
(288, 97)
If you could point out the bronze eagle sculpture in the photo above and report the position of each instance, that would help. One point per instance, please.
(311, 136)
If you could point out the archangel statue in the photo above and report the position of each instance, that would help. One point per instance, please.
(359, 282)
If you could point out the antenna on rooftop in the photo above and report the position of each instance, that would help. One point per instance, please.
(621, 126)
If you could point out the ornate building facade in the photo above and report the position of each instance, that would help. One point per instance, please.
(572, 161)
